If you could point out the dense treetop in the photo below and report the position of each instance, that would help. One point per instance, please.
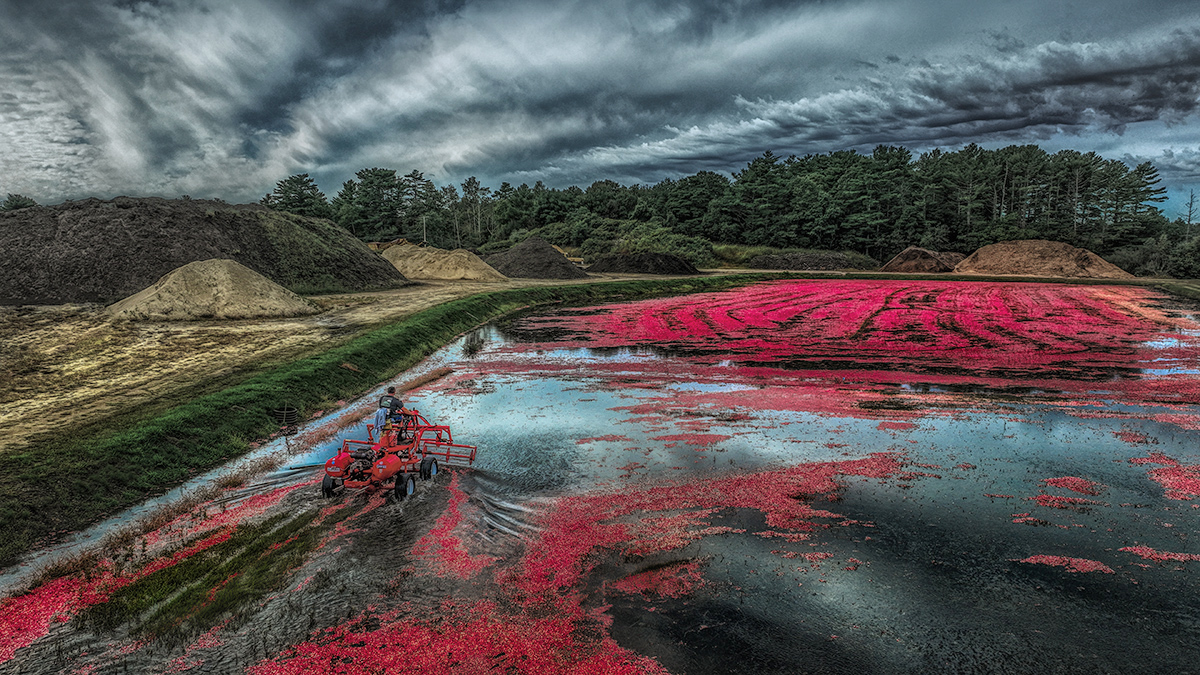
(873, 204)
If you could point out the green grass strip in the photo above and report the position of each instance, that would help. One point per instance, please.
(1187, 289)
(68, 482)
(259, 568)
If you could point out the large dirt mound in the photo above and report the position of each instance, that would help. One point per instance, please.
(643, 263)
(1038, 257)
(535, 258)
(426, 262)
(915, 259)
(102, 251)
(815, 260)
(217, 289)
(952, 258)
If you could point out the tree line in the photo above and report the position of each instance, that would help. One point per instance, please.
(876, 204)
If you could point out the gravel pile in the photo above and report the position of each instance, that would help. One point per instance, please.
(915, 259)
(534, 258)
(427, 262)
(102, 251)
(212, 289)
(1039, 257)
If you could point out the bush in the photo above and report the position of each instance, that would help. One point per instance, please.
(1149, 259)
(15, 202)
(1184, 261)
(580, 224)
(738, 255)
(1161, 256)
(616, 237)
(735, 255)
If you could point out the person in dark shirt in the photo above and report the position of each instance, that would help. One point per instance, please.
(389, 401)
(391, 408)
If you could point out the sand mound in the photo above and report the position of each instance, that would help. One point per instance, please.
(102, 251)
(216, 289)
(815, 260)
(1038, 257)
(921, 260)
(425, 262)
(643, 263)
(535, 258)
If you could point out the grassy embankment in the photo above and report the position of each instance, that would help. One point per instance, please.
(64, 483)
(1186, 288)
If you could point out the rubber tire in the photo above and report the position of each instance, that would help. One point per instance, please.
(328, 485)
(406, 485)
(429, 468)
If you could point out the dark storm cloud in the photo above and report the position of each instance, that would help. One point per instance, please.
(222, 98)
(545, 84)
(1028, 94)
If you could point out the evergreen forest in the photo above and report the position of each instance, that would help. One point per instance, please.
(871, 204)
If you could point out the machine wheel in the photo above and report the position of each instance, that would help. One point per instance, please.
(429, 468)
(328, 485)
(406, 485)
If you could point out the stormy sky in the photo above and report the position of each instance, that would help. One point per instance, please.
(223, 98)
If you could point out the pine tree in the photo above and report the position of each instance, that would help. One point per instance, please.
(299, 194)
(15, 202)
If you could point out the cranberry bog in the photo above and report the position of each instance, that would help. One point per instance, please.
(790, 477)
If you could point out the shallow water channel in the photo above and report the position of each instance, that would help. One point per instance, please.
(646, 501)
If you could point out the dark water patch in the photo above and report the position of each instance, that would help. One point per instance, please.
(710, 634)
(961, 599)
(528, 464)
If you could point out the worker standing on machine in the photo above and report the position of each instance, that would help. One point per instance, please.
(391, 408)
(387, 404)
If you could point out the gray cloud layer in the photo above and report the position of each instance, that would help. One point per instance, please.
(223, 98)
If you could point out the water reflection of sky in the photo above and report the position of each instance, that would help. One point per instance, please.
(721, 387)
(508, 408)
(578, 405)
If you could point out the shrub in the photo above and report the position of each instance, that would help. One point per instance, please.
(633, 236)
(1184, 261)
(735, 255)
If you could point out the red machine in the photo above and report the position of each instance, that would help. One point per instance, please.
(403, 451)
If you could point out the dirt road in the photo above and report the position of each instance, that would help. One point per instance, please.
(76, 358)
